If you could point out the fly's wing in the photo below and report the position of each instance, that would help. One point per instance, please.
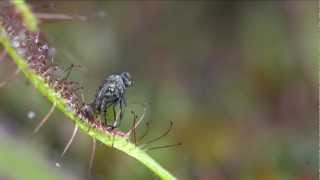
(111, 115)
(109, 95)
(102, 93)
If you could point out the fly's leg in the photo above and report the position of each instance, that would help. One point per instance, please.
(135, 117)
(114, 114)
(118, 120)
(105, 106)
(122, 109)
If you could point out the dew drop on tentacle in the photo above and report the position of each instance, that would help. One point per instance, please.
(22, 35)
(9, 28)
(31, 115)
(21, 51)
(51, 53)
(58, 164)
(15, 43)
(69, 107)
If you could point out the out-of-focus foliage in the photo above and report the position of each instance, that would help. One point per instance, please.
(20, 160)
(237, 80)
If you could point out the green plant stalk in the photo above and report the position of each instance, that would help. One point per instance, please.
(27, 165)
(115, 141)
(28, 18)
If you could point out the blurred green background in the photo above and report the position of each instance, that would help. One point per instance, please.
(237, 79)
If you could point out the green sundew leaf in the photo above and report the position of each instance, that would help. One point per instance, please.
(28, 18)
(27, 164)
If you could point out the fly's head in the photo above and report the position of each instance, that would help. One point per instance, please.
(126, 77)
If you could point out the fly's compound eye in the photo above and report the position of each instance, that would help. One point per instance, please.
(126, 77)
(111, 89)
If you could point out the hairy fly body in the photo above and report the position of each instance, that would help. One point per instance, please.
(110, 95)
